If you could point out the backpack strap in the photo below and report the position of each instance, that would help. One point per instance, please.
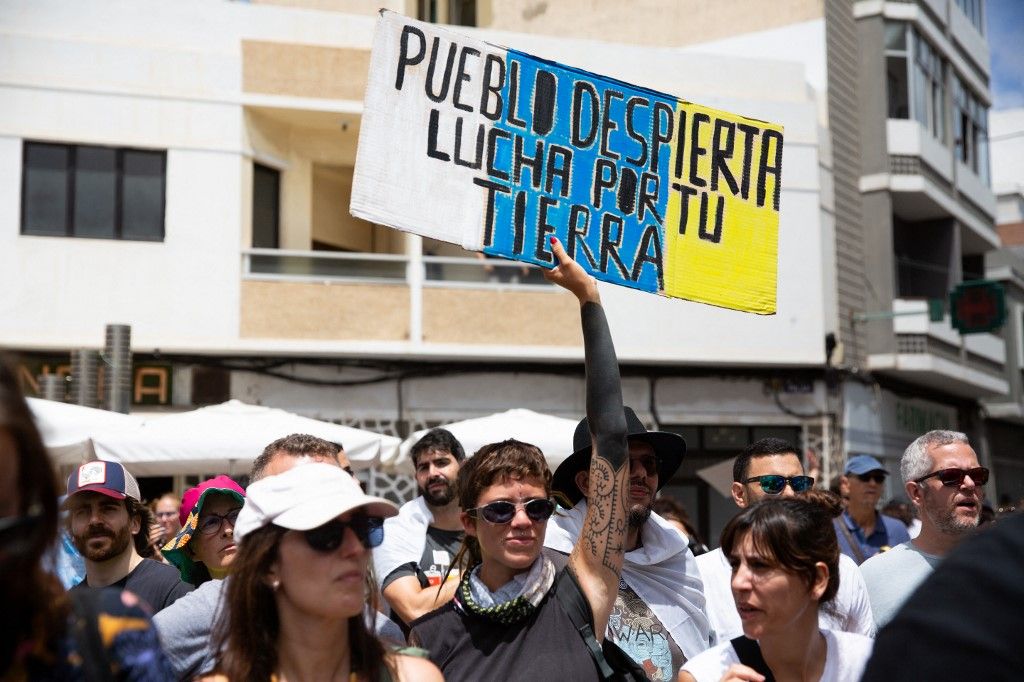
(96, 664)
(749, 653)
(858, 552)
(576, 606)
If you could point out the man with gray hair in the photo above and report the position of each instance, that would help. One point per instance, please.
(943, 479)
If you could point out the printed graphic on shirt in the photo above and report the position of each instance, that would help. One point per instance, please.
(638, 632)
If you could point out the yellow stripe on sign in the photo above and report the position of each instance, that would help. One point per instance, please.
(725, 172)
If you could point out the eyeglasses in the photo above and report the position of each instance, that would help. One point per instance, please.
(503, 512)
(211, 524)
(955, 477)
(773, 484)
(876, 476)
(650, 464)
(166, 515)
(328, 537)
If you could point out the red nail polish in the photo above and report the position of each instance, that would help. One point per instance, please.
(553, 239)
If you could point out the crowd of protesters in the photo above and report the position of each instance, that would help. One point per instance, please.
(501, 569)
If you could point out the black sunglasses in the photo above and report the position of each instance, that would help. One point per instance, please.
(650, 464)
(773, 484)
(211, 524)
(503, 512)
(328, 537)
(876, 476)
(956, 477)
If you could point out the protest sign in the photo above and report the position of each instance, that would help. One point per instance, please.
(497, 150)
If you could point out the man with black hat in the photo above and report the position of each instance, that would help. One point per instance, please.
(861, 530)
(658, 617)
(110, 527)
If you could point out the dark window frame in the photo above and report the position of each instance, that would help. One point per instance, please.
(276, 173)
(69, 177)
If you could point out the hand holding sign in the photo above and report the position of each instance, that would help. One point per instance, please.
(570, 275)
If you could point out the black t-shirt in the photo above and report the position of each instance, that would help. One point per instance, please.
(440, 549)
(157, 584)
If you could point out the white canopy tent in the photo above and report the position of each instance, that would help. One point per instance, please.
(553, 435)
(226, 438)
(67, 429)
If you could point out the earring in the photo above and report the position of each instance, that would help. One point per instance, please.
(275, 584)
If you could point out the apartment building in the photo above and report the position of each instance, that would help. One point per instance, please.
(913, 214)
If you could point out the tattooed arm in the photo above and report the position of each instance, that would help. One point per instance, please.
(597, 557)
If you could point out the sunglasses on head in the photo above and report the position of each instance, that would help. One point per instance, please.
(876, 476)
(211, 524)
(328, 537)
(773, 484)
(956, 477)
(503, 512)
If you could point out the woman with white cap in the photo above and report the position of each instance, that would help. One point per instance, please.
(300, 581)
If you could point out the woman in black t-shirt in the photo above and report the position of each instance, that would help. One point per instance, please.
(503, 622)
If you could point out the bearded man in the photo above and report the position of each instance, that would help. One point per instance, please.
(944, 481)
(413, 562)
(659, 616)
(110, 528)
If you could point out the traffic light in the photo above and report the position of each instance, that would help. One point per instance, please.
(978, 306)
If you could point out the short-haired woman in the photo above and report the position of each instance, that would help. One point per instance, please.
(505, 621)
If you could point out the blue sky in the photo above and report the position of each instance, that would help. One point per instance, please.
(1006, 40)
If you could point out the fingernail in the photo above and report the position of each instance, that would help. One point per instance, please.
(553, 239)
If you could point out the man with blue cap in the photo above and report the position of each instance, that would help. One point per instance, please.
(861, 530)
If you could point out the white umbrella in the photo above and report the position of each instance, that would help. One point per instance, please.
(67, 428)
(553, 435)
(226, 438)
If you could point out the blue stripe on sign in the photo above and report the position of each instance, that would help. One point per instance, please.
(538, 154)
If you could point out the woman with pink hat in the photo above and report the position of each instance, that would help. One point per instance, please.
(205, 546)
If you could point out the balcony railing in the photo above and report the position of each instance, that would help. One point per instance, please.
(383, 268)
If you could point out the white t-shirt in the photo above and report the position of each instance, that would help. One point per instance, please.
(846, 654)
(849, 611)
(891, 577)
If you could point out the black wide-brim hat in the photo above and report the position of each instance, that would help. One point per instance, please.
(669, 448)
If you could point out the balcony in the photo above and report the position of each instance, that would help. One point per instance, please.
(401, 302)
(935, 355)
(927, 184)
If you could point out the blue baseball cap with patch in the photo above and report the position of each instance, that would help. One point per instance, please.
(107, 478)
(862, 464)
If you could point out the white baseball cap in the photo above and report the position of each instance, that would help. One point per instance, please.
(305, 497)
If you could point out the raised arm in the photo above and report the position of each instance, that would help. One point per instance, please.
(597, 557)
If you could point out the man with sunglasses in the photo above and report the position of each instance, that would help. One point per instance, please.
(861, 530)
(658, 617)
(766, 468)
(110, 528)
(944, 481)
(413, 563)
(186, 627)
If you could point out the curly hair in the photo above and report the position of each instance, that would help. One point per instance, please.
(794, 533)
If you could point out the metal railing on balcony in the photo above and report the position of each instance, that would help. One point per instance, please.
(385, 268)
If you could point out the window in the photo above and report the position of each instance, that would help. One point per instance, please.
(970, 129)
(90, 191)
(896, 69)
(455, 12)
(266, 193)
(972, 10)
(929, 84)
